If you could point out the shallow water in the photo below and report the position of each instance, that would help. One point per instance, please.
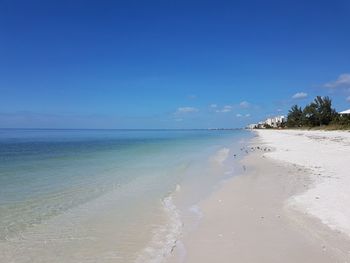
(105, 195)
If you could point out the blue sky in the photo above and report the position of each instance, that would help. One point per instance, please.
(168, 64)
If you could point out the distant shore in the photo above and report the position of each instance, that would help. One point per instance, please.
(316, 128)
(292, 203)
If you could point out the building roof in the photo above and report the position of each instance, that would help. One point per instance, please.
(345, 112)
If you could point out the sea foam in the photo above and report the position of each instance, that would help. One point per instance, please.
(221, 155)
(165, 237)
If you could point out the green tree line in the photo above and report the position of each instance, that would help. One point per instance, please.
(318, 113)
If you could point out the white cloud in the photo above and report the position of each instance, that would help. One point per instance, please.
(226, 108)
(186, 110)
(348, 99)
(343, 80)
(244, 104)
(239, 115)
(299, 95)
(178, 119)
(213, 105)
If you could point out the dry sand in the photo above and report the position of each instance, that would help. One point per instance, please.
(327, 155)
(250, 219)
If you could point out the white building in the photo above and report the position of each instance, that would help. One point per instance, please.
(269, 121)
(275, 121)
(261, 124)
(280, 120)
(345, 112)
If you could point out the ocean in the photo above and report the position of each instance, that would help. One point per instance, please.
(107, 195)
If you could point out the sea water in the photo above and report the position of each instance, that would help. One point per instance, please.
(106, 195)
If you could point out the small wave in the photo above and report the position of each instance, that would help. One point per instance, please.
(230, 172)
(195, 209)
(165, 238)
(221, 155)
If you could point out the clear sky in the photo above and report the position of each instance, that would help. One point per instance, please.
(168, 64)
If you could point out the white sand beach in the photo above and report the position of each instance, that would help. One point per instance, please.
(327, 156)
(292, 204)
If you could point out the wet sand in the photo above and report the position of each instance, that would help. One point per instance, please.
(249, 218)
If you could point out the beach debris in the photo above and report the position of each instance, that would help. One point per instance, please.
(173, 247)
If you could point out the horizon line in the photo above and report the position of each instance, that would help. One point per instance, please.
(124, 129)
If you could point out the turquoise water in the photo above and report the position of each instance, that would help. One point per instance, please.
(104, 195)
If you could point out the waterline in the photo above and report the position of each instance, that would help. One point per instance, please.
(100, 195)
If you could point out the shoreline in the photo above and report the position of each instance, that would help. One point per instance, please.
(327, 155)
(251, 219)
(124, 200)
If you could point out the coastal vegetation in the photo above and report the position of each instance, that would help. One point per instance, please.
(317, 114)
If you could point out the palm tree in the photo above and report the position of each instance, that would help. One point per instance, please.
(324, 110)
(310, 115)
(294, 116)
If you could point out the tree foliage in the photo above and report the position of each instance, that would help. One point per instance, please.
(310, 115)
(317, 113)
(294, 116)
(325, 112)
